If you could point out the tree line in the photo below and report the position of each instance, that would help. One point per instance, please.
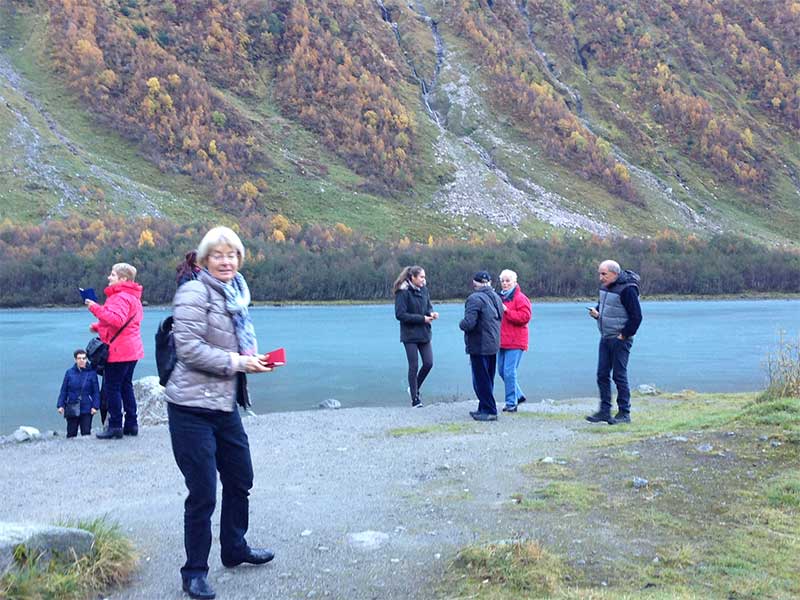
(45, 264)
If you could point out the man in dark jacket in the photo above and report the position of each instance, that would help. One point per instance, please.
(483, 313)
(618, 316)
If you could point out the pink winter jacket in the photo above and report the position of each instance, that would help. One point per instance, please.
(123, 301)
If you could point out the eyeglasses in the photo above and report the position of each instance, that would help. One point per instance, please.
(219, 256)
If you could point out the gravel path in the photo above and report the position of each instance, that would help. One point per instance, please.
(322, 479)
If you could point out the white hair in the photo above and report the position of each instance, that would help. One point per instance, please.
(219, 236)
(508, 273)
(611, 265)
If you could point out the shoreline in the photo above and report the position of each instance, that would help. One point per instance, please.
(540, 300)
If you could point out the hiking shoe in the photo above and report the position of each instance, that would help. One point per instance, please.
(622, 417)
(416, 403)
(601, 417)
(521, 399)
(480, 416)
(509, 409)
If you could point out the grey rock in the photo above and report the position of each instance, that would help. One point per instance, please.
(647, 389)
(680, 438)
(151, 401)
(45, 539)
(775, 443)
(640, 482)
(368, 540)
(331, 403)
(705, 448)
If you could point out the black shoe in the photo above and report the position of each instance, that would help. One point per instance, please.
(197, 587)
(622, 417)
(416, 403)
(109, 434)
(480, 416)
(509, 409)
(600, 417)
(132, 431)
(254, 556)
(521, 399)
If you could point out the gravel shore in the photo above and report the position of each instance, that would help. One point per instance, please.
(352, 511)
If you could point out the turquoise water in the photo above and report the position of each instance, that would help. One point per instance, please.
(353, 353)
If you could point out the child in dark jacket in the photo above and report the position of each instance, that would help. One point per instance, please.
(79, 398)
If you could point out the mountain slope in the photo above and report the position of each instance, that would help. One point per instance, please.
(417, 119)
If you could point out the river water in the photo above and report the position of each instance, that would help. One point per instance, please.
(353, 353)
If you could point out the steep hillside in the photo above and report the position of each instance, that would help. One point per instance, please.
(419, 118)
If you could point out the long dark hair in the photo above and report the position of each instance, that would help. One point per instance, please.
(188, 269)
(405, 276)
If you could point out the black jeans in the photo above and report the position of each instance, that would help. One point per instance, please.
(483, 370)
(613, 358)
(204, 443)
(416, 375)
(85, 421)
(118, 386)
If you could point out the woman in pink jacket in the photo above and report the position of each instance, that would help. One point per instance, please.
(121, 314)
(513, 336)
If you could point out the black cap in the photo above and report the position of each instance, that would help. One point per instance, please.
(482, 277)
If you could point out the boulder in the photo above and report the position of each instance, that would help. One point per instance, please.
(330, 403)
(647, 389)
(151, 401)
(25, 433)
(47, 540)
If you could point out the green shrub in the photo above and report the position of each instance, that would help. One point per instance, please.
(783, 371)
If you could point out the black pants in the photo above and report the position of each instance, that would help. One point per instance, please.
(118, 385)
(612, 362)
(85, 421)
(204, 443)
(417, 375)
(483, 370)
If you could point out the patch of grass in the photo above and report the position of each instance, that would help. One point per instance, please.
(521, 569)
(438, 428)
(550, 416)
(574, 494)
(110, 564)
(687, 411)
(557, 469)
(785, 493)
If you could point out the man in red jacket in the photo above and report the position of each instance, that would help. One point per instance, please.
(120, 316)
(513, 336)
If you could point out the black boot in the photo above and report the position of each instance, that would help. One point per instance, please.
(198, 587)
(109, 433)
(600, 417)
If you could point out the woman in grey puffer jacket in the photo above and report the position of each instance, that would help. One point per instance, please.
(215, 344)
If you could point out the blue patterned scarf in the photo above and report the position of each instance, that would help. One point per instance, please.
(237, 298)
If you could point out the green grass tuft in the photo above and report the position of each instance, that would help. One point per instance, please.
(110, 564)
(439, 428)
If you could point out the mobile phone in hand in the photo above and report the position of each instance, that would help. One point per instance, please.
(88, 294)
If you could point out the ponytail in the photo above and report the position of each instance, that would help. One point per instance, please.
(405, 276)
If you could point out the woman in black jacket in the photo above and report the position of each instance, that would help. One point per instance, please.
(413, 308)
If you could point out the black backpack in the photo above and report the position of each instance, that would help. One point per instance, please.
(166, 358)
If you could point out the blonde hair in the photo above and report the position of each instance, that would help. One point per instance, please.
(217, 237)
(125, 271)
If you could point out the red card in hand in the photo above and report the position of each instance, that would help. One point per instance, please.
(275, 358)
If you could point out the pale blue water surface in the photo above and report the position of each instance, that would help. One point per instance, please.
(353, 353)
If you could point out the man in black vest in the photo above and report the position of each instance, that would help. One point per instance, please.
(483, 312)
(618, 316)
